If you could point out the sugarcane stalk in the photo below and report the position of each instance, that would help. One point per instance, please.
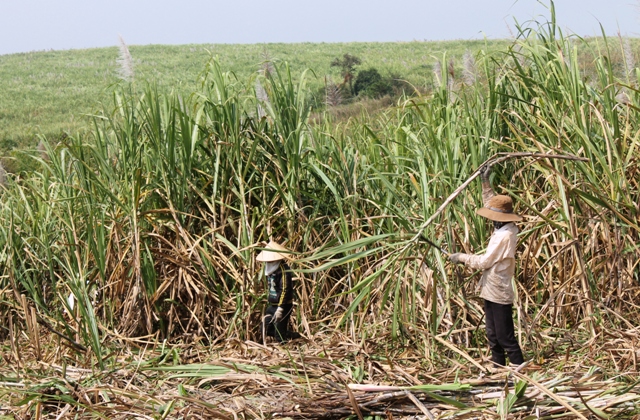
(495, 159)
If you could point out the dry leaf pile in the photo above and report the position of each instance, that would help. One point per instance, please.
(327, 377)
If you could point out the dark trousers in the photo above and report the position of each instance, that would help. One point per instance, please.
(500, 334)
(280, 329)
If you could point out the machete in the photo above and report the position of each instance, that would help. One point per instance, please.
(434, 245)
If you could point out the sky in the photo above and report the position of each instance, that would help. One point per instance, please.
(35, 25)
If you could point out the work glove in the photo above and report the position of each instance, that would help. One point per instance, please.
(485, 172)
(455, 258)
(277, 316)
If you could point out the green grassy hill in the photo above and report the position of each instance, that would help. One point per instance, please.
(51, 92)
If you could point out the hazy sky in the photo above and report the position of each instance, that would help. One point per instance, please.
(28, 25)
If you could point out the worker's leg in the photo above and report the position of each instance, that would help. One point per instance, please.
(268, 326)
(282, 327)
(503, 323)
(497, 352)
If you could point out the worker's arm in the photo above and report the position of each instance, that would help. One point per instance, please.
(287, 286)
(494, 254)
(487, 191)
(285, 294)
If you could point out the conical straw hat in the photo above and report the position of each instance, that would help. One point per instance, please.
(270, 253)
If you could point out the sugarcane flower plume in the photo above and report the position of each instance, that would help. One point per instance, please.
(125, 62)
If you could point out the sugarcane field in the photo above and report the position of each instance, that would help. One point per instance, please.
(253, 248)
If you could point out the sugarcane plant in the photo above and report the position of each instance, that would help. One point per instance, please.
(148, 224)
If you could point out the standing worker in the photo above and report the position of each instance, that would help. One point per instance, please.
(498, 265)
(280, 292)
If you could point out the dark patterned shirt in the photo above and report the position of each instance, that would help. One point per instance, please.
(280, 292)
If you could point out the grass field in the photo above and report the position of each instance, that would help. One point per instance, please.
(51, 92)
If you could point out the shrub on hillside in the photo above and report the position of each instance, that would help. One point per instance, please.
(371, 84)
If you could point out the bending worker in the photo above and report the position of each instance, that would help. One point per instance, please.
(280, 292)
(498, 265)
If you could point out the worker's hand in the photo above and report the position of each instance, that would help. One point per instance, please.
(455, 258)
(277, 316)
(485, 172)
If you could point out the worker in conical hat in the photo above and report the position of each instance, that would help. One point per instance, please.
(498, 265)
(279, 292)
